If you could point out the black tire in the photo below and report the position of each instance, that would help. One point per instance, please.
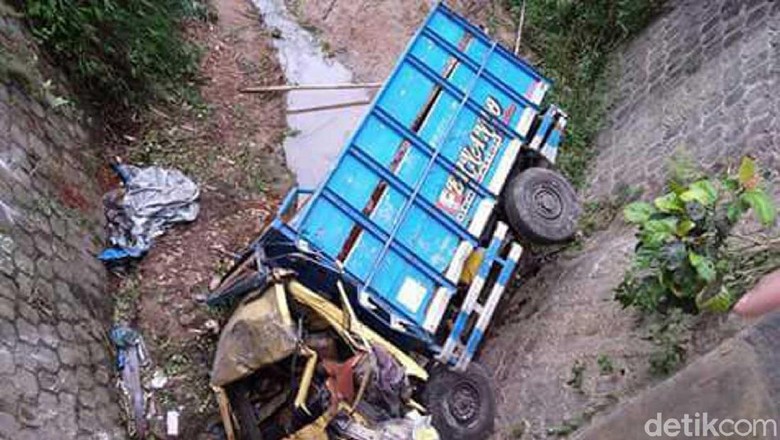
(462, 405)
(541, 206)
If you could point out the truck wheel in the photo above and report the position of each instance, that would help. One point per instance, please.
(541, 206)
(462, 405)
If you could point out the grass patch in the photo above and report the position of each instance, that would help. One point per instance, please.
(126, 300)
(519, 429)
(119, 54)
(7, 10)
(573, 40)
(598, 214)
(605, 364)
(567, 427)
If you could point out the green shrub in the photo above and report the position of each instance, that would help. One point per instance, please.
(118, 52)
(681, 260)
(573, 39)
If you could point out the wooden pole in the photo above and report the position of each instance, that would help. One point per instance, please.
(329, 107)
(294, 87)
(520, 29)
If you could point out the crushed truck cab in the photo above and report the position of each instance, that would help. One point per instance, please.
(422, 214)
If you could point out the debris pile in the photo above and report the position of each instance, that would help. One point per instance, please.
(291, 364)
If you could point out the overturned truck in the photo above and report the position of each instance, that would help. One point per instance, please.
(406, 248)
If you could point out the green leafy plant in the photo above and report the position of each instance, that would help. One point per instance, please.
(573, 41)
(681, 260)
(120, 53)
(567, 427)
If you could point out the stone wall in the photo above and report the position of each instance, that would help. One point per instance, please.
(738, 380)
(55, 367)
(703, 78)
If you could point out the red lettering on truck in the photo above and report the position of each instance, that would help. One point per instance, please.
(474, 160)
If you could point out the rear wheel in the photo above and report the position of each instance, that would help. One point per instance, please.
(541, 206)
(462, 405)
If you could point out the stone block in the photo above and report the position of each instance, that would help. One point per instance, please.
(47, 359)
(7, 365)
(26, 383)
(9, 426)
(27, 332)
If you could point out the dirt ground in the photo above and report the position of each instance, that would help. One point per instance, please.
(369, 35)
(231, 144)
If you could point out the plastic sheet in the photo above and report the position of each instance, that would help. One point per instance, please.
(151, 200)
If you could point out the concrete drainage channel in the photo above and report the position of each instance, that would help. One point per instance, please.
(316, 137)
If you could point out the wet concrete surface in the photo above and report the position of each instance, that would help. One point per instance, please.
(316, 138)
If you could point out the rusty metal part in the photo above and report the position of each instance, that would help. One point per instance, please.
(341, 380)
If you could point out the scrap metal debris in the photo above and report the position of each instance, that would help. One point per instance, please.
(290, 364)
(149, 202)
(256, 335)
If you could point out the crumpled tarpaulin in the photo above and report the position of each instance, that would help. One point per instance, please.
(151, 200)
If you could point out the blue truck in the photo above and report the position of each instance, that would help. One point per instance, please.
(422, 216)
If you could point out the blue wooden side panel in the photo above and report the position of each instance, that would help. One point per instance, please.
(411, 189)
